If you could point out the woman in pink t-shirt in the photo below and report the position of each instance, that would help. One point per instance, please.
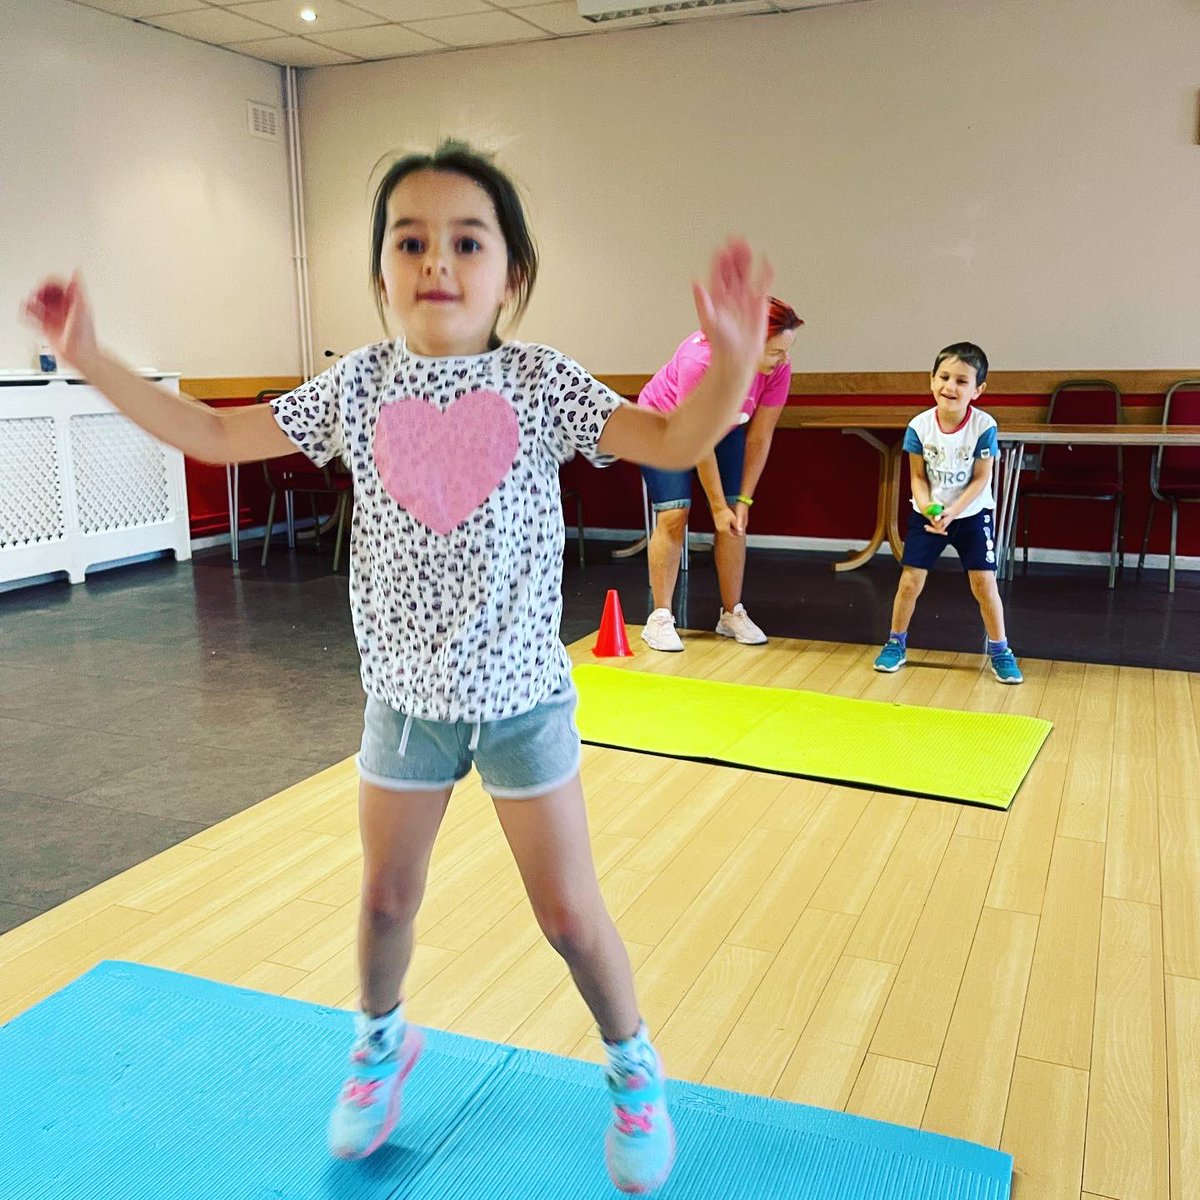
(728, 475)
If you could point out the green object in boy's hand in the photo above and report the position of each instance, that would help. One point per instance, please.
(935, 510)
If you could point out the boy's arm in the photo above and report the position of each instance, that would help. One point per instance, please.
(919, 481)
(979, 481)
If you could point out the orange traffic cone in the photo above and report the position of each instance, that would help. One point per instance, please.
(611, 641)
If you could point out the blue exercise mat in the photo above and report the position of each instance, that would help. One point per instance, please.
(135, 1082)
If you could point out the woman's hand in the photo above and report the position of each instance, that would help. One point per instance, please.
(733, 308)
(725, 521)
(741, 518)
(59, 310)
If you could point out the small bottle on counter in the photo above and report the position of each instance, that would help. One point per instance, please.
(46, 361)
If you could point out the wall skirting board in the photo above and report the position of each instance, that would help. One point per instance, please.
(768, 541)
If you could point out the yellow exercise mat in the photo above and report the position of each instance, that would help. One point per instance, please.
(980, 758)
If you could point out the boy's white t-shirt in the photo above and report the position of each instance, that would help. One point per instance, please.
(457, 540)
(950, 457)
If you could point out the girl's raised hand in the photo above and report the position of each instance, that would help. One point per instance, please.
(60, 312)
(733, 308)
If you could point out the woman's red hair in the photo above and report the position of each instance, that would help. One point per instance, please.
(781, 317)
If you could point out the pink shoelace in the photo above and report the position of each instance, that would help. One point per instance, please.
(360, 1092)
(630, 1122)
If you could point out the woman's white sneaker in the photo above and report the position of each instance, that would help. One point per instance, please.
(737, 625)
(659, 631)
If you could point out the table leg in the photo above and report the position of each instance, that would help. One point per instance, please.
(1012, 462)
(1014, 502)
(1003, 499)
(998, 509)
(865, 555)
(232, 480)
(630, 550)
(643, 543)
(891, 501)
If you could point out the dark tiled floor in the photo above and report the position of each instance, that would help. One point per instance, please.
(62, 845)
(155, 700)
(1058, 612)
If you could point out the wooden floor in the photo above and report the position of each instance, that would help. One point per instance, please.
(1028, 979)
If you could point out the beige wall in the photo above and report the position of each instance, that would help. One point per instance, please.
(1019, 172)
(123, 150)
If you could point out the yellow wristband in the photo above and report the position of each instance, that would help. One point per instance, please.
(747, 500)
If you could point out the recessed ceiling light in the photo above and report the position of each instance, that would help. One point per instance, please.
(307, 14)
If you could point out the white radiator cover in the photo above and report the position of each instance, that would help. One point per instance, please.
(81, 485)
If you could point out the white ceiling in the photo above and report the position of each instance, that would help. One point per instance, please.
(348, 31)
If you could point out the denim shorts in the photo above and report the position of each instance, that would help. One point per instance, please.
(517, 757)
(974, 538)
(673, 489)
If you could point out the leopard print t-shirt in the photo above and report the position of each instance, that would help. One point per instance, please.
(456, 558)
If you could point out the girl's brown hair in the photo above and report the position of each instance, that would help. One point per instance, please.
(460, 159)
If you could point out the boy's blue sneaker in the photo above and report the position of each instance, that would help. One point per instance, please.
(640, 1143)
(369, 1106)
(1005, 669)
(892, 657)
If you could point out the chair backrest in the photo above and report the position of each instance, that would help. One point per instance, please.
(1084, 402)
(1181, 406)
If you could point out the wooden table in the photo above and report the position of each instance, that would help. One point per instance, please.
(1014, 438)
(866, 422)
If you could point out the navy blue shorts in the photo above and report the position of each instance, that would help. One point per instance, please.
(973, 537)
(673, 489)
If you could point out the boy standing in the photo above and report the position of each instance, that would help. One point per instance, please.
(951, 448)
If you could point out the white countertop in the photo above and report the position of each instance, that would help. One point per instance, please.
(12, 375)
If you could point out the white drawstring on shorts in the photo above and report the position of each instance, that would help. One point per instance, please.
(403, 747)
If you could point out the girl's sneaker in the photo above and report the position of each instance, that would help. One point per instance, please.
(640, 1143)
(369, 1106)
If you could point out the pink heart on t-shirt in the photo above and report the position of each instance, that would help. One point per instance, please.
(441, 466)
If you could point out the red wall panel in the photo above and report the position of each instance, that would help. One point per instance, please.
(821, 483)
(817, 483)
